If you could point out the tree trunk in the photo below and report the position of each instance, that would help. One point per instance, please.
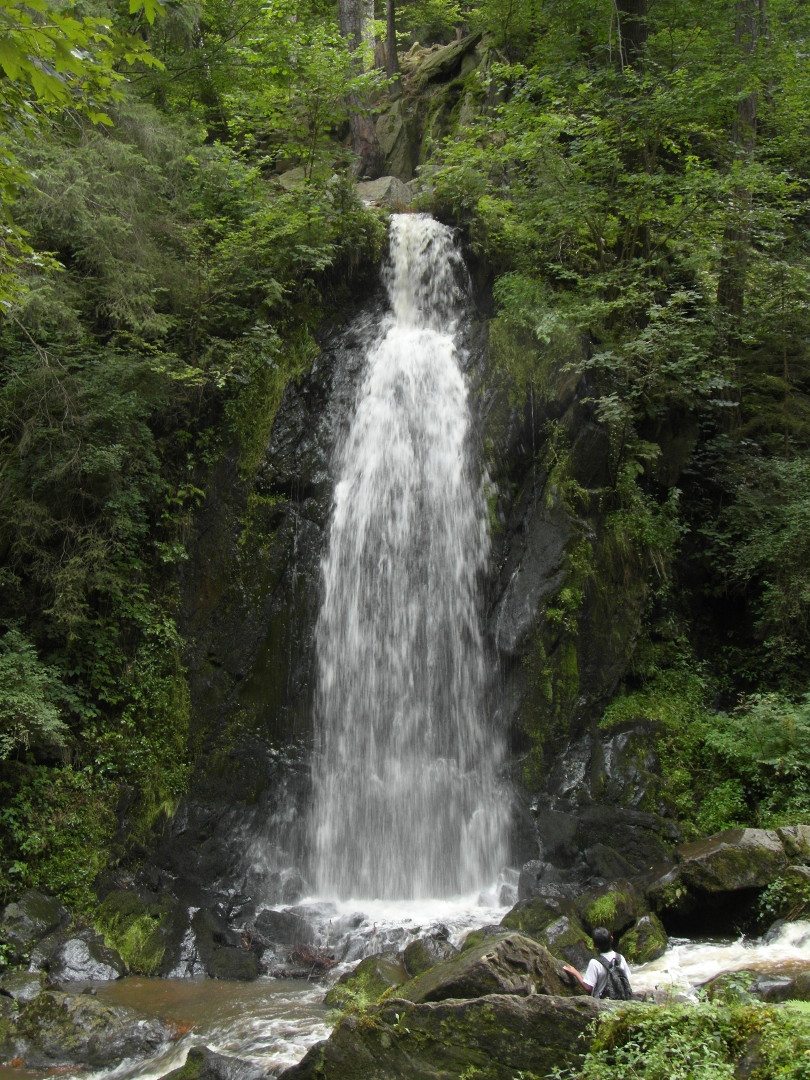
(749, 27)
(370, 161)
(631, 20)
(391, 58)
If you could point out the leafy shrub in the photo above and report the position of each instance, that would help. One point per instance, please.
(706, 1041)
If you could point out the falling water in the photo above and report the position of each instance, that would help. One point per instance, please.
(407, 802)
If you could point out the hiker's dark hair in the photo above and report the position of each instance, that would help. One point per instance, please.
(602, 939)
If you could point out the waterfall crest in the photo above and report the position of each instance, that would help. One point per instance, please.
(407, 801)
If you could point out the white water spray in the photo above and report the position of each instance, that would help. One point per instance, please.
(407, 801)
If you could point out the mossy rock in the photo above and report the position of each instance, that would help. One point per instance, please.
(232, 963)
(422, 954)
(496, 1037)
(77, 1029)
(645, 942)
(27, 920)
(514, 964)
(616, 907)
(733, 860)
(204, 1064)
(483, 933)
(566, 939)
(796, 842)
(141, 931)
(366, 983)
(532, 916)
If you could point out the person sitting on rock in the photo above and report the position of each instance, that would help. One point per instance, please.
(607, 976)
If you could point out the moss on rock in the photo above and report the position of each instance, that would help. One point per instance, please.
(495, 1037)
(645, 942)
(365, 984)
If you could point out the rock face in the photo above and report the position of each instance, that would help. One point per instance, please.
(386, 191)
(717, 880)
(28, 920)
(506, 965)
(204, 1064)
(57, 1029)
(492, 1038)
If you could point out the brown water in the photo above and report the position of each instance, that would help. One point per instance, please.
(270, 1021)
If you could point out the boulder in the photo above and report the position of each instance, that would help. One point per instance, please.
(284, 927)
(508, 965)
(426, 951)
(84, 957)
(731, 861)
(27, 920)
(147, 932)
(532, 916)
(497, 1037)
(566, 939)
(204, 1064)
(445, 62)
(223, 952)
(57, 1029)
(21, 986)
(796, 843)
(616, 907)
(368, 981)
(386, 191)
(646, 941)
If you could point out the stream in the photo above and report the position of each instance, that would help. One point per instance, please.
(272, 1022)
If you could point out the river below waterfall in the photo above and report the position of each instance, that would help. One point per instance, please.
(272, 1022)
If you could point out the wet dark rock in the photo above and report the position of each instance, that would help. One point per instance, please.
(21, 986)
(497, 1036)
(204, 1064)
(63, 1029)
(284, 927)
(223, 952)
(426, 951)
(84, 957)
(27, 920)
(513, 964)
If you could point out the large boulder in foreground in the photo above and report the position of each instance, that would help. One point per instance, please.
(56, 1029)
(513, 964)
(496, 1037)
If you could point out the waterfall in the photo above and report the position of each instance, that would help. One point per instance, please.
(407, 802)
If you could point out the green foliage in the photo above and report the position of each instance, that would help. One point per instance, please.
(706, 1041)
(53, 59)
(56, 826)
(785, 897)
(133, 928)
(760, 544)
(765, 743)
(30, 694)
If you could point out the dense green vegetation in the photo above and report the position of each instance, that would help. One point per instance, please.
(707, 1041)
(160, 288)
(641, 192)
(637, 185)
